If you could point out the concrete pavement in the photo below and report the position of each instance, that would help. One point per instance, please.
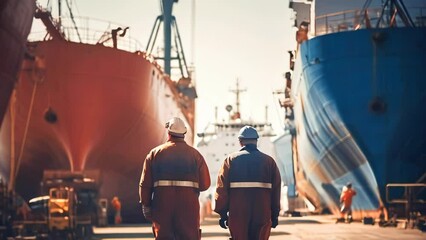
(297, 228)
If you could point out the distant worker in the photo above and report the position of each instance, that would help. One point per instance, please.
(116, 205)
(346, 200)
(173, 175)
(23, 210)
(249, 189)
(302, 33)
(382, 217)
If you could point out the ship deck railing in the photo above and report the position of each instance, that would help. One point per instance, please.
(89, 31)
(238, 126)
(355, 19)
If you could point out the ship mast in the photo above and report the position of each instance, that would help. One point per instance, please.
(237, 92)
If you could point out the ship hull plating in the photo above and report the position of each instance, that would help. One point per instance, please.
(81, 107)
(359, 114)
(16, 18)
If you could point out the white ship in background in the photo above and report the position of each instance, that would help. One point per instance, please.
(221, 138)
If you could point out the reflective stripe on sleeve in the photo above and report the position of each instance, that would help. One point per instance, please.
(175, 183)
(250, 185)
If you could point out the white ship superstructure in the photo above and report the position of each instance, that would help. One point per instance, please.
(221, 138)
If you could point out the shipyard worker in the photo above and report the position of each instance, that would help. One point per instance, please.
(248, 190)
(116, 205)
(302, 33)
(173, 175)
(346, 200)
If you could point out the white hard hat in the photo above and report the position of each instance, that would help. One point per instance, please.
(176, 127)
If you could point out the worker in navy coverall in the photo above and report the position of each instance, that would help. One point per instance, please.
(248, 190)
(173, 175)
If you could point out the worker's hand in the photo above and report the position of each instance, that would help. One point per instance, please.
(147, 212)
(274, 222)
(223, 221)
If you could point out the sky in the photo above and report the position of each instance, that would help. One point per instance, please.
(224, 40)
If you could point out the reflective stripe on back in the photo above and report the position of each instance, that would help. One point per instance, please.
(250, 185)
(175, 183)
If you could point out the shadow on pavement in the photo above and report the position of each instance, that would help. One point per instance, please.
(222, 234)
(277, 233)
(299, 221)
(122, 235)
(214, 234)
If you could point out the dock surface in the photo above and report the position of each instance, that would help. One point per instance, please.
(290, 228)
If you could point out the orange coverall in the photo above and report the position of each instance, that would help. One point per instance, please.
(249, 188)
(116, 204)
(346, 199)
(173, 175)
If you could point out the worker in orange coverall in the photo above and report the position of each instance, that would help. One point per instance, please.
(116, 205)
(173, 175)
(346, 199)
(249, 188)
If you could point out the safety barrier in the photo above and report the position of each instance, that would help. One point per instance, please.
(411, 195)
(355, 19)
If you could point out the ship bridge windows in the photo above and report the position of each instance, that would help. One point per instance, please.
(235, 127)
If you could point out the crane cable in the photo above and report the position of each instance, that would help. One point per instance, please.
(24, 139)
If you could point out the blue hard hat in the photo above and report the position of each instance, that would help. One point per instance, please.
(248, 132)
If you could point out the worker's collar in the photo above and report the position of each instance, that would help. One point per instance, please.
(249, 147)
(176, 139)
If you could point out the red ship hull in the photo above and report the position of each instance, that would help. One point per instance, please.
(89, 107)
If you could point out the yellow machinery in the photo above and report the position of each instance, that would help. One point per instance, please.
(61, 209)
(68, 211)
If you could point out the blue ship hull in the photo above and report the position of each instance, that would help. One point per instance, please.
(360, 114)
